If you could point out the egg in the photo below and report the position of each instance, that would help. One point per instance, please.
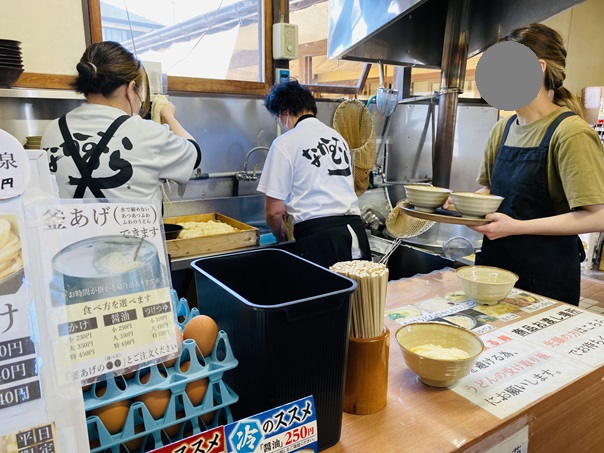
(113, 415)
(204, 331)
(156, 401)
(195, 390)
(208, 417)
(172, 430)
(134, 444)
(179, 338)
(129, 372)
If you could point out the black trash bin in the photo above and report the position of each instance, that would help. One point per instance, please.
(287, 320)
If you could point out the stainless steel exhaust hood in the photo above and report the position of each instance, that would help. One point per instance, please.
(432, 34)
(411, 32)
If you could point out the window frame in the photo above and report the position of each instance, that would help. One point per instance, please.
(274, 11)
(201, 85)
(93, 33)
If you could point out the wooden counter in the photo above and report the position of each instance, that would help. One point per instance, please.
(418, 418)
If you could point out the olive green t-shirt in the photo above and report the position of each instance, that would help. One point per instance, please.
(575, 162)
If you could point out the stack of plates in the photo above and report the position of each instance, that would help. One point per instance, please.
(33, 142)
(11, 62)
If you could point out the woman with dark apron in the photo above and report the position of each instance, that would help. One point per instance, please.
(548, 164)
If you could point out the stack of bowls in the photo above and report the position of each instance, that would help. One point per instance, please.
(11, 62)
(33, 142)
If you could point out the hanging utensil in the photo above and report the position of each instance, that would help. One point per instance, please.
(403, 226)
(457, 247)
(352, 119)
(386, 98)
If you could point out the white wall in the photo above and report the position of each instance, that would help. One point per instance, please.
(51, 33)
(581, 28)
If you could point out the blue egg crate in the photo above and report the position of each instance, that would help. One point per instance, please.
(180, 411)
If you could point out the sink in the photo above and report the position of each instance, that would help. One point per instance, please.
(407, 261)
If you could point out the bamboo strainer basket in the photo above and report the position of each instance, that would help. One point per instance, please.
(403, 226)
(353, 121)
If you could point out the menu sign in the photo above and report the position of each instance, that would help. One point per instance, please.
(19, 381)
(109, 289)
(39, 411)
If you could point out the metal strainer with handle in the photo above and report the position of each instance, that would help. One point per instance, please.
(457, 247)
(403, 226)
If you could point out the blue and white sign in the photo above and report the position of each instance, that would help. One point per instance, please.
(288, 428)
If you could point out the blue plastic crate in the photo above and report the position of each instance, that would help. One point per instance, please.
(180, 410)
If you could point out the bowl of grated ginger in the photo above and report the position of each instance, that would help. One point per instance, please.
(439, 354)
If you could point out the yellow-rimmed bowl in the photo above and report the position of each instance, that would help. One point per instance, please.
(475, 205)
(438, 372)
(426, 198)
(486, 285)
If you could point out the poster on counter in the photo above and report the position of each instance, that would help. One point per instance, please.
(105, 268)
(291, 427)
(529, 359)
(288, 428)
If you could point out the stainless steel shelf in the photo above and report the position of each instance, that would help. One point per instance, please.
(39, 93)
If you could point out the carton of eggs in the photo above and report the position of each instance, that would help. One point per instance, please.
(164, 396)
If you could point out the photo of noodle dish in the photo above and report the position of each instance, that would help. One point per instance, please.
(500, 309)
(11, 255)
(464, 321)
(521, 299)
(457, 297)
(435, 305)
(406, 312)
(468, 319)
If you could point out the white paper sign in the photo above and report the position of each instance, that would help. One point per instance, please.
(105, 268)
(14, 167)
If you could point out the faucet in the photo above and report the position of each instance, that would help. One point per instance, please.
(244, 175)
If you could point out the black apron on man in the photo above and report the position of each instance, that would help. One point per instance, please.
(327, 240)
(547, 265)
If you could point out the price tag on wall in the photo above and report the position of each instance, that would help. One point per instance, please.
(592, 97)
(14, 167)
(601, 112)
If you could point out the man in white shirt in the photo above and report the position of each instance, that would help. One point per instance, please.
(308, 177)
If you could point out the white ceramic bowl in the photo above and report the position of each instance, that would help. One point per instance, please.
(438, 372)
(426, 198)
(486, 285)
(475, 205)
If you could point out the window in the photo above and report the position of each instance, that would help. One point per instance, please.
(209, 45)
(312, 66)
(424, 82)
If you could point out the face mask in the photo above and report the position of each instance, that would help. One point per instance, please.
(282, 121)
